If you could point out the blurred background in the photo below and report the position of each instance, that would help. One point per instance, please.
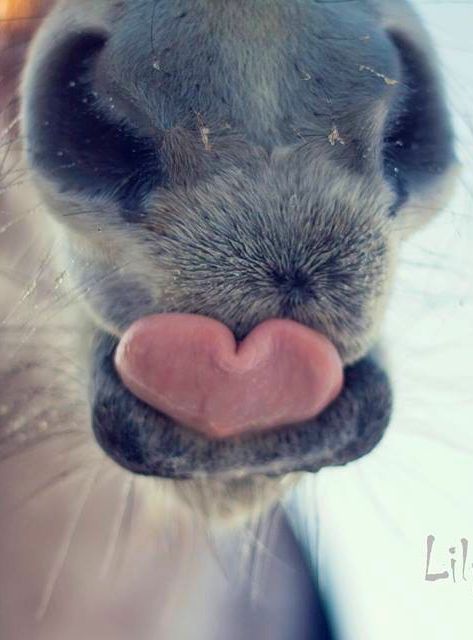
(359, 534)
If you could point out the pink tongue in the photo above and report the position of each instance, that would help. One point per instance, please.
(191, 368)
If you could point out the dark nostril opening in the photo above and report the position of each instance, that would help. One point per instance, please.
(72, 142)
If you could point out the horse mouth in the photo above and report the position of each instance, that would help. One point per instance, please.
(147, 441)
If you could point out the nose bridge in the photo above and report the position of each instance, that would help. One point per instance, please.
(208, 59)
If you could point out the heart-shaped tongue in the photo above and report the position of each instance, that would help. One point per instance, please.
(190, 368)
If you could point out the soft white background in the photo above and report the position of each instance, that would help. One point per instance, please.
(366, 525)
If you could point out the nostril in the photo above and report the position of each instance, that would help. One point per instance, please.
(418, 140)
(73, 142)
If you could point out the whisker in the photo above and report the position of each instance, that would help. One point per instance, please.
(61, 557)
(11, 223)
(16, 19)
(316, 543)
(262, 556)
(38, 442)
(128, 520)
(60, 305)
(117, 526)
(30, 290)
(20, 421)
(54, 482)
